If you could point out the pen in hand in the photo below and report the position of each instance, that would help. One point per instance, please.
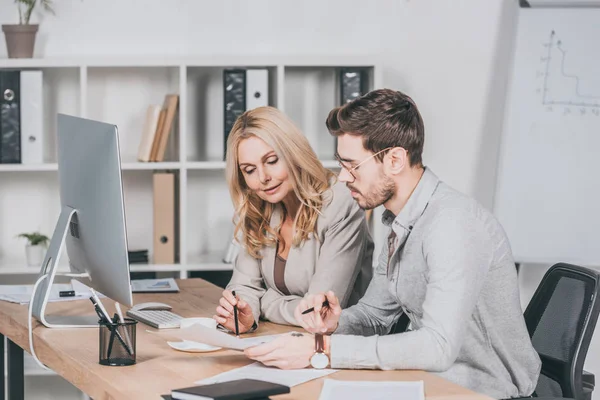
(325, 304)
(235, 316)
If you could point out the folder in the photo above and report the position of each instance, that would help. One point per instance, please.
(165, 218)
(32, 117)
(10, 117)
(257, 88)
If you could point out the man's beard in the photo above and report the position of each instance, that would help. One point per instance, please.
(377, 196)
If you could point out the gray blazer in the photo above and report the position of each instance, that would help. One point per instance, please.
(340, 260)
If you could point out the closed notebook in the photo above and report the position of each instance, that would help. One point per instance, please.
(240, 389)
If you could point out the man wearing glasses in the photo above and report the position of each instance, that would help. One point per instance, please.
(447, 266)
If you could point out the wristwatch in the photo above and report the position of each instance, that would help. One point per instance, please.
(319, 359)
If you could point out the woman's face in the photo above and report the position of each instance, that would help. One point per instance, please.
(263, 171)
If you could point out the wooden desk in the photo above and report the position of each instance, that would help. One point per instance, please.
(73, 353)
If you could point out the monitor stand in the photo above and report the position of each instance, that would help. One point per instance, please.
(49, 267)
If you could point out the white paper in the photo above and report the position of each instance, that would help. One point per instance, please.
(291, 377)
(201, 334)
(154, 285)
(21, 294)
(372, 390)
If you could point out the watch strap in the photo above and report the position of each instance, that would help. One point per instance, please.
(319, 343)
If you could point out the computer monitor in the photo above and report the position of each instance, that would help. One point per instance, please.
(92, 218)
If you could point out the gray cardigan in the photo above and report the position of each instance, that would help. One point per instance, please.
(454, 276)
(340, 260)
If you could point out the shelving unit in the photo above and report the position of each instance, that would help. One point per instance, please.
(118, 91)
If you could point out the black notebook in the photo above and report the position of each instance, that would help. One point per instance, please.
(240, 389)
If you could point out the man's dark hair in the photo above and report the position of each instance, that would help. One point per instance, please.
(384, 118)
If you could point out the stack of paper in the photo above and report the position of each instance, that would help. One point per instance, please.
(214, 337)
(258, 371)
(21, 294)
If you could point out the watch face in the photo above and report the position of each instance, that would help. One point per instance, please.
(319, 360)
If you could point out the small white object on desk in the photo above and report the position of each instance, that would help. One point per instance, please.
(195, 347)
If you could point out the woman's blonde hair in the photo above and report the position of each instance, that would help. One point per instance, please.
(308, 177)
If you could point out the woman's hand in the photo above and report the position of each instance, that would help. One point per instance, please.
(225, 317)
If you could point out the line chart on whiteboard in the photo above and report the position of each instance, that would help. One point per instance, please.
(564, 81)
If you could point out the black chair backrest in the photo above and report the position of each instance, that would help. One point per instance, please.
(561, 318)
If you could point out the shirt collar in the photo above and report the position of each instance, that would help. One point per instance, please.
(416, 204)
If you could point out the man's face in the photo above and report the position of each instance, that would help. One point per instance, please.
(368, 183)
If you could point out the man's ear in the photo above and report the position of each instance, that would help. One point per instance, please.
(398, 160)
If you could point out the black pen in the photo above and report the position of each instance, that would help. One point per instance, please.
(109, 324)
(325, 304)
(69, 293)
(235, 316)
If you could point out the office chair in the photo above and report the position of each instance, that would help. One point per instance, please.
(561, 318)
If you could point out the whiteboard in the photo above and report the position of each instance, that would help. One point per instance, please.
(548, 187)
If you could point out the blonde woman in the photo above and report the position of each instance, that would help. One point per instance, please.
(300, 231)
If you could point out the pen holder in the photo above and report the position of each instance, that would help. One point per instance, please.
(117, 342)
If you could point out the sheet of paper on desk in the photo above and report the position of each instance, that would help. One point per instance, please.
(21, 294)
(354, 390)
(167, 285)
(258, 371)
(214, 337)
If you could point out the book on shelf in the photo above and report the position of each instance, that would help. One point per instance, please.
(159, 123)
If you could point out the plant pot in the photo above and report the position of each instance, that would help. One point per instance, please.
(35, 255)
(20, 40)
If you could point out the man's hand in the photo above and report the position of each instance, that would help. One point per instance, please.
(225, 313)
(290, 351)
(322, 319)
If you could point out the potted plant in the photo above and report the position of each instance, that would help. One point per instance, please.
(20, 38)
(35, 248)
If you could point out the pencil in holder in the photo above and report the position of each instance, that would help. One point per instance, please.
(117, 342)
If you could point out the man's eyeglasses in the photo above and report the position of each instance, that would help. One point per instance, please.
(351, 169)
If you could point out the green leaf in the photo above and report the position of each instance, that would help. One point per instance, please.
(35, 238)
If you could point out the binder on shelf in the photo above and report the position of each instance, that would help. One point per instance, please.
(243, 89)
(32, 117)
(10, 117)
(257, 88)
(353, 84)
(165, 218)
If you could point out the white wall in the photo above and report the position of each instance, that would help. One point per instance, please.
(451, 57)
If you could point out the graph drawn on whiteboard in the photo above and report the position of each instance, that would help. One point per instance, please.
(548, 191)
(559, 86)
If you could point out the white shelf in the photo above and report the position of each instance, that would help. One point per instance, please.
(155, 267)
(126, 166)
(207, 61)
(149, 165)
(205, 165)
(28, 167)
(119, 90)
